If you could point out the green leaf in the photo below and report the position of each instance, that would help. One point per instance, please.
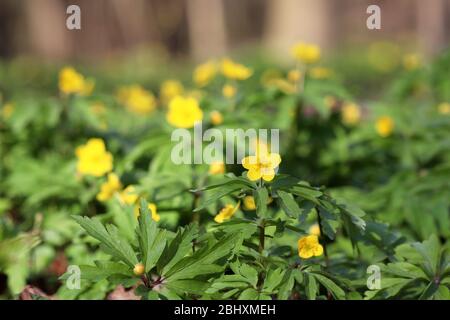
(249, 294)
(273, 279)
(332, 287)
(288, 204)
(222, 192)
(151, 240)
(178, 248)
(109, 238)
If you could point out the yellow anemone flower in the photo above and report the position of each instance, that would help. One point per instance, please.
(444, 108)
(216, 117)
(217, 167)
(261, 165)
(139, 269)
(309, 246)
(294, 75)
(384, 126)
(411, 61)
(226, 213)
(314, 230)
(351, 114)
(109, 188)
(235, 71)
(229, 91)
(320, 73)
(70, 81)
(136, 99)
(7, 110)
(93, 159)
(249, 203)
(204, 73)
(306, 53)
(129, 195)
(184, 112)
(170, 89)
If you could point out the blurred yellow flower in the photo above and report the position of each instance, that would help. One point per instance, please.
(284, 85)
(7, 110)
(139, 269)
(306, 53)
(136, 99)
(384, 126)
(309, 246)
(153, 210)
(184, 112)
(93, 159)
(249, 203)
(235, 71)
(204, 73)
(261, 165)
(170, 89)
(314, 230)
(269, 75)
(294, 75)
(411, 61)
(444, 108)
(216, 117)
(217, 167)
(229, 91)
(320, 73)
(98, 108)
(351, 113)
(109, 188)
(129, 195)
(330, 101)
(70, 81)
(226, 213)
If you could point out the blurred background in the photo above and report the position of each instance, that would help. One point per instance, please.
(200, 29)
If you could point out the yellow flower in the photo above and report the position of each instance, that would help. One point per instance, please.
(226, 213)
(139, 269)
(351, 114)
(249, 203)
(129, 195)
(217, 167)
(306, 53)
(93, 159)
(204, 73)
(109, 188)
(384, 126)
(70, 81)
(261, 165)
(88, 87)
(320, 73)
(136, 99)
(170, 89)
(411, 61)
(184, 112)
(153, 210)
(330, 101)
(229, 91)
(444, 108)
(309, 246)
(98, 108)
(7, 110)
(283, 85)
(216, 118)
(234, 70)
(294, 75)
(314, 230)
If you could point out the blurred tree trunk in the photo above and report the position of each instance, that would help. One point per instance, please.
(206, 23)
(46, 28)
(290, 21)
(431, 27)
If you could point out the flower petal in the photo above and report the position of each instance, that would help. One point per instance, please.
(254, 175)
